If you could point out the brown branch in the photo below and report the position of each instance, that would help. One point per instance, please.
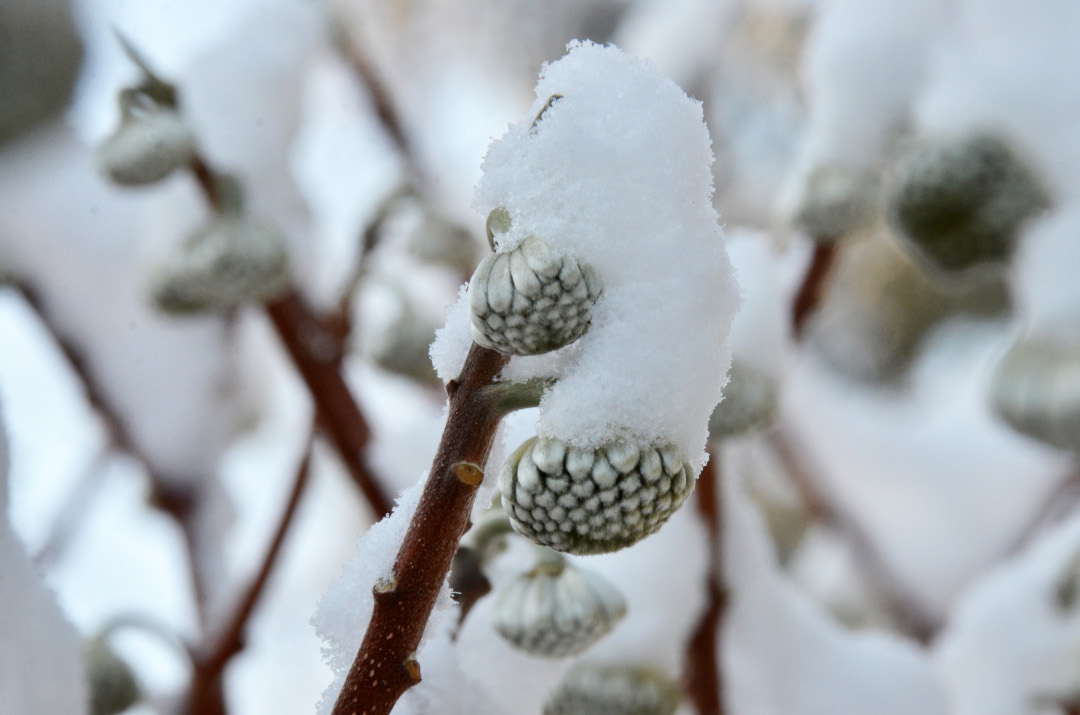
(207, 684)
(703, 680)
(812, 289)
(386, 666)
(317, 355)
(912, 617)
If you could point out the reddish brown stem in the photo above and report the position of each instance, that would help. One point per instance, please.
(386, 666)
(207, 686)
(317, 356)
(915, 620)
(813, 286)
(703, 680)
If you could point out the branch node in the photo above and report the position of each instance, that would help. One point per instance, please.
(468, 473)
(412, 665)
(385, 585)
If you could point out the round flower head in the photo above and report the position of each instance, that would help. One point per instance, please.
(151, 142)
(232, 261)
(557, 610)
(592, 690)
(962, 203)
(113, 687)
(592, 501)
(530, 300)
(1036, 389)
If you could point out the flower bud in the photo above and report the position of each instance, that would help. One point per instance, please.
(113, 688)
(1036, 389)
(232, 261)
(151, 142)
(962, 203)
(749, 402)
(557, 610)
(529, 301)
(593, 690)
(592, 501)
(837, 200)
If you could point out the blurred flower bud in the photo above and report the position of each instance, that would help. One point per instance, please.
(592, 501)
(593, 690)
(151, 142)
(750, 399)
(402, 347)
(40, 54)
(113, 688)
(837, 200)
(557, 610)
(232, 261)
(961, 203)
(1036, 389)
(528, 300)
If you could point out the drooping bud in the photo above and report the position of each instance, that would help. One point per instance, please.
(530, 300)
(1036, 389)
(626, 690)
(837, 200)
(557, 610)
(750, 398)
(151, 142)
(962, 203)
(592, 501)
(233, 260)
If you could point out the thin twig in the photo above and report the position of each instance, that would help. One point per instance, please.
(914, 619)
(703, 680)
(207, 688)
(812, 288)
(386, 665)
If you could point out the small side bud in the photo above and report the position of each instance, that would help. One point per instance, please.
(149, 144)
(619, 689)
(750, 400)
(1036, 389)
(837, 201)
(557, 610)
(113, 687)
(232, 261)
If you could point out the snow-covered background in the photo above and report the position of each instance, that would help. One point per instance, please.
(890, 544)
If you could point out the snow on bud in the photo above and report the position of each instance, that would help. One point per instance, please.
(961, 203)
(557, 610)
(592, 500)
(613, 179)
(231, 261)
(1036, 389)
(151, 142)
(614, 691)
(529, 300)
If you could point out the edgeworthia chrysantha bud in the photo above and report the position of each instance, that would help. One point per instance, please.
(837, 200)
(750, 398)
(151, 142)
(593, 690)
(592, 501)
(1036, 389)
(530, 300)
(556, 610)
(962, 203)
(113, 688)
(233, 260)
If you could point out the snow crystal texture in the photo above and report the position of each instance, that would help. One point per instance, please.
(615, 172)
